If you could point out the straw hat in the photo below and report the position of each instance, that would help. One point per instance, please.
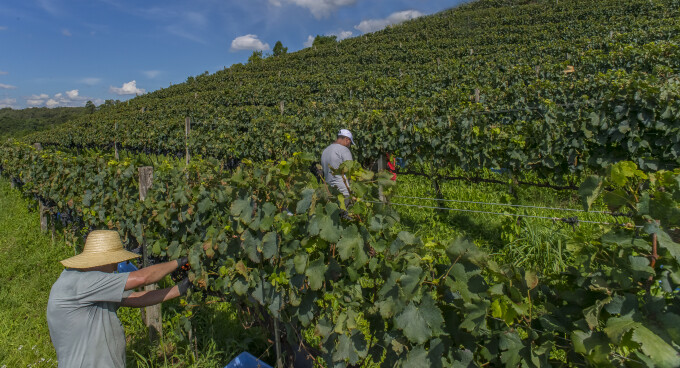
(102, 247)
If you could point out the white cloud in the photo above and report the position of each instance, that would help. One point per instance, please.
(310, 41)
(3, 28)
(3, 72)
(372, 25)
(151, 74)
(342, 35)
(37, 100)
(7, 86)
(8, 102)
(129, 88)
(73, 94)
(91, 81)
(66, 32)
(248, 42)
(70, 98)
(319, 8)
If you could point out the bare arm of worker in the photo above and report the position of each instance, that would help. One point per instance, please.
(141, 299)
(152, 274)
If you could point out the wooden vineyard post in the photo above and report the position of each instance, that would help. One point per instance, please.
(53, 232)
(187, 129)
(115, 142)
(281, 107)
(41, 206)
(438, 193)
(277, 337)
(152, 314)
(476, 95)
(43, 216)
(655, 255)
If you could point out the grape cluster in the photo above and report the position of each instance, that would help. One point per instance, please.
(180, 273)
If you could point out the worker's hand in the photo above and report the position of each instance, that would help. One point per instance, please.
(183, 264)
(182, 269)
(184, 286)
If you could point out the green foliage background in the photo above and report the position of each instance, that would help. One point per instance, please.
(18, 123)
(563, 87)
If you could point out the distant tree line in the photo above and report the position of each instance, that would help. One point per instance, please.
(258, 55)
(18, 123)
(279, 50)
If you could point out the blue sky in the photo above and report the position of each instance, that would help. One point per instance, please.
(66, 52)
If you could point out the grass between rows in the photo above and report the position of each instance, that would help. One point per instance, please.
(30, 265)
(539, 244)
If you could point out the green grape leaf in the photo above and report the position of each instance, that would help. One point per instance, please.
(618, 326)
(420, 323)
(589, 190)
(300, 262)
(329, 230)
(240, 286)
(413, 324)
(250, 245)
(306, 201)
(660, 352)
(315, 273)
(667, 243)
(351, 243)
(345, 351)
(417, 358)
(269, 245)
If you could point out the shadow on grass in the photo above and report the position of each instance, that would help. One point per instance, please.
(490, 232)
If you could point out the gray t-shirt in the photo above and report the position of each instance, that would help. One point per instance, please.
(333, 156)
(81, 316)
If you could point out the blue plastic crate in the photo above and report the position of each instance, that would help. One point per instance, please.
(247, 360)
(126, 266)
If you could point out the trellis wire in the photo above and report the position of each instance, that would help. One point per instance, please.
(573, 221)
(507, 205)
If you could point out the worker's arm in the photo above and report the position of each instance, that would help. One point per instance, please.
(152, 274)
(141, 299)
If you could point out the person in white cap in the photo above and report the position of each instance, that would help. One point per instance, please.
(81, 310)
(334, 155)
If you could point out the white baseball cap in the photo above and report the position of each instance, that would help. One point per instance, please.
(346, 133)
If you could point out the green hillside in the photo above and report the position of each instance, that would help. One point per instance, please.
(558, 86)
(18, 123)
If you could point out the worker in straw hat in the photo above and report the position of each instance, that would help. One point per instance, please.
(81, 311)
